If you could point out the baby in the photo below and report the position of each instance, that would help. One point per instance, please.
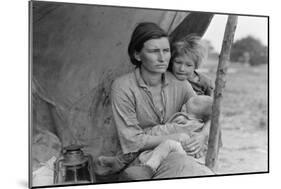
(195, 113)
(192, 118)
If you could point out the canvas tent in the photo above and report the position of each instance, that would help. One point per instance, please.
(77, 51)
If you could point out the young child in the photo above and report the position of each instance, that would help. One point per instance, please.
(187, 55)
(195, 113)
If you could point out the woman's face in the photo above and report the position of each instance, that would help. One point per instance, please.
(155, 55)
(183, 67)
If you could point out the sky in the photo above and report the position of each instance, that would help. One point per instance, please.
(247, 25)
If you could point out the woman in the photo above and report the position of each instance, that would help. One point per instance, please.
(148, 97)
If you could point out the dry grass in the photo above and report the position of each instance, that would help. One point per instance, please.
(245, 98)
(244, 118)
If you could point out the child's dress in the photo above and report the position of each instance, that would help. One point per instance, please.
(203, 86)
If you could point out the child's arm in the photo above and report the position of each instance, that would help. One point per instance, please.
(210, 87)
(209, 91)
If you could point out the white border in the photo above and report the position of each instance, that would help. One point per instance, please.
(14, 98)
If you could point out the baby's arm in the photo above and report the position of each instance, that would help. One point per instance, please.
(174, 125)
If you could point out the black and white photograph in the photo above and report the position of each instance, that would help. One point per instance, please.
(125, 94)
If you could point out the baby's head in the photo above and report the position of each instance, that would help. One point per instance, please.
(200, 107)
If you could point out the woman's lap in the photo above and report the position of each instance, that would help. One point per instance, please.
(179, 165)
(174, 166)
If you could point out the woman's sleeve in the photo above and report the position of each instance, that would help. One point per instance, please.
(161, 130)
(131, 135)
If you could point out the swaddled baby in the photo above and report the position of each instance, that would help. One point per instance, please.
(192, 118)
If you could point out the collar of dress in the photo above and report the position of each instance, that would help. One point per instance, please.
(141, 83)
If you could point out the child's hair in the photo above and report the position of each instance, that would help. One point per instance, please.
(192, 46)
(200, 106)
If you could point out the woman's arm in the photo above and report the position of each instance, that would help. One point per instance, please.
(131, 136)
(166, 129)
(153, 141)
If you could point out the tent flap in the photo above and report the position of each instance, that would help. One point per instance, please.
(78, 50)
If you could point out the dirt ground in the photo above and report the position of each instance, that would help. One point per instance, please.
(244, 119)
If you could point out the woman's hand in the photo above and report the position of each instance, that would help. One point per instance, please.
(195, 144)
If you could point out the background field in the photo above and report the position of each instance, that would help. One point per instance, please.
(244, 118)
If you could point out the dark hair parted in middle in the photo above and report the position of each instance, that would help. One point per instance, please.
(143, 32)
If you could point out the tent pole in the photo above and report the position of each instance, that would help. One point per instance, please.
(212, 153)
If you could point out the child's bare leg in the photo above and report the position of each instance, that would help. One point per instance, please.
(162, 151)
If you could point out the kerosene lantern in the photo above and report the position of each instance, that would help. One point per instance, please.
(74, 167)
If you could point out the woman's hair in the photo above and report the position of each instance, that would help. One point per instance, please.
(192, 46)
(143, 32)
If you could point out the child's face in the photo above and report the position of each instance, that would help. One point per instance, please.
(183, 67)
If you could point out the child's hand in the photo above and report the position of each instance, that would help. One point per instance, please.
(199, 155)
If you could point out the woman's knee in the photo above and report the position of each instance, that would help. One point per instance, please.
(180, 165)
(194, 168)
(136, 173)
